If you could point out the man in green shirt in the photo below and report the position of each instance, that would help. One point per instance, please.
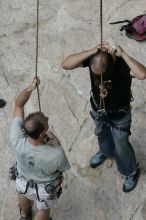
(40, 159)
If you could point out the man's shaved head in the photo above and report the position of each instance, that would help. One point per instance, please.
(101, 63)
(35, 124)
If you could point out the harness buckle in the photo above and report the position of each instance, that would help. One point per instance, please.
(102, 111)
(31, 184)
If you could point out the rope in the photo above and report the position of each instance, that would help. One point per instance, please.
(37, 52)
(102, 103)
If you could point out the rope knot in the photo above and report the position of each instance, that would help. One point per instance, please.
(103, 91)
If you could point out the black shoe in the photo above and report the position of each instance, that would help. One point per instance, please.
(97, 159)
(2, 103)
(131, 181)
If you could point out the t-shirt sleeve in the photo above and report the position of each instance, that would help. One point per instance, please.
(16, 132)
(86, 63)
(63, 163)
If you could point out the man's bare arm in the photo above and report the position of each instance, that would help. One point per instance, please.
(75, 60)
(22, 99)
(138, 70)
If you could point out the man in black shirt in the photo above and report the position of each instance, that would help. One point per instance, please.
(114, 121)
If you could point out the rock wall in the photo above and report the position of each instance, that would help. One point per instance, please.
(68, 27)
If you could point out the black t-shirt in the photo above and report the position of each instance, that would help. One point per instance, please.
(119, 87)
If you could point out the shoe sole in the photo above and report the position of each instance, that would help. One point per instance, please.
(138, 174)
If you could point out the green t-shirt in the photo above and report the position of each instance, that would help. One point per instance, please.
(40, 163)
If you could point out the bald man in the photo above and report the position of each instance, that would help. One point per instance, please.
(112, 126)
(41, 160)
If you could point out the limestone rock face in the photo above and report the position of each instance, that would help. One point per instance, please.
(68, 27)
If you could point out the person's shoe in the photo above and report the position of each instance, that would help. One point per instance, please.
(97, 159)
(2, 103)
(130, 182)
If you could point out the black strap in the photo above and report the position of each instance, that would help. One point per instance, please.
(59, 184)
(119, 22)
(37, 193)
(120, 129)
(27, 185)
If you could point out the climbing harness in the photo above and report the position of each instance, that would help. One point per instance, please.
(54, 188)
(105, 117)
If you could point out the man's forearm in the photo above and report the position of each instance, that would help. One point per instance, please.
(23, 97)
(138, 69)
(75, 60)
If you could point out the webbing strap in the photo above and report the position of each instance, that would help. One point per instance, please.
(119, 22)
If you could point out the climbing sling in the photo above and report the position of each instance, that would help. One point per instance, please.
(53, 188)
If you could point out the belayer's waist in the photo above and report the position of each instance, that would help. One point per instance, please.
(119, 111)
